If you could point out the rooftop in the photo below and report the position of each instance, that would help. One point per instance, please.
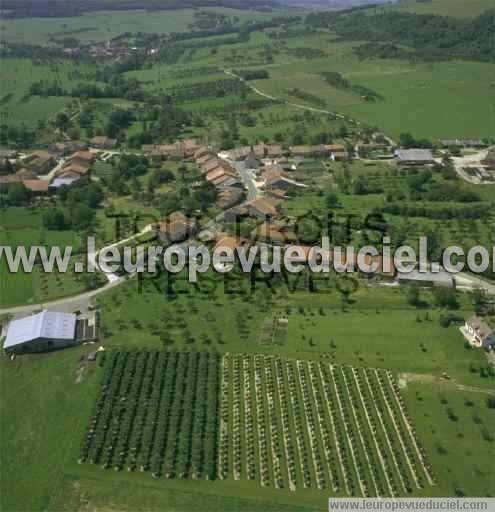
(415, 155)
(434, 277)
(481, 327)
(47, 324)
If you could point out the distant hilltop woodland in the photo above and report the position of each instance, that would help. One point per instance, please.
(62, 8)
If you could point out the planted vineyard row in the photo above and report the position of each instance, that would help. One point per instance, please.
(291, 424)
(156, 411)
(284, 423)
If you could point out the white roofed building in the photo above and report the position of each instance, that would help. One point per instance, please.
(40, 332)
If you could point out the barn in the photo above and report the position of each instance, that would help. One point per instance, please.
(47, 330)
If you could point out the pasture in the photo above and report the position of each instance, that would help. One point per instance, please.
(104, 25)
(428, 100)
(23, 227)
(224, 315)
(18, 107)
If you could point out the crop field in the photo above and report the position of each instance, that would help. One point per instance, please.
(284, 423)
(298, 424)
(156, 412)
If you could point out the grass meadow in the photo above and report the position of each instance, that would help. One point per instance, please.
(104, 25)
(18, 107)
(22, 227)
(378, 330)
(429, 100)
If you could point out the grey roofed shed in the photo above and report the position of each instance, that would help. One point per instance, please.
(443, 279)
(47, 325)
(415, 155)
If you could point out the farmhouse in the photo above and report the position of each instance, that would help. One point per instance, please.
(101, 142)
(37, 187)
(317, 150)
(40, 161)
(281, 182)
(190, 146)
(212, 164)
(217, 172)
(414, 156)
(226, 181)
(338, 156)
(478, 333)
(335, 148)
(83, 158)
(276, 193)
(252, 162)
(175, 228)
(272, 150)
(43, 331)
(200, 152)
(66, 148)
(205, 158)
(262, 208)
(274, 234)
(231, 242)
(72, 170)
(228, 197)
(26, 174)
(239, 153)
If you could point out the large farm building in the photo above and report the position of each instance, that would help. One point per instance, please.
(47, 330)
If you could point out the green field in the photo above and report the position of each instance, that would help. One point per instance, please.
(239, 393)
(104, 25)
(19, 107)
(23, 227)
(379, 330)
(456, 8)
(429, 100)
(432, 100)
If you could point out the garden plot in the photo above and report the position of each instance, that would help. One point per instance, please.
(286, 424)
(305, 424)
(157, 412)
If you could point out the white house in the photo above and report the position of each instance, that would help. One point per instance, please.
(478, 332)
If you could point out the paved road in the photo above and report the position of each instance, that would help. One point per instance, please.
(54, 171)
(73, 303)
(81, 300)
(248, 180)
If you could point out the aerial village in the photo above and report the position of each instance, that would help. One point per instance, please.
(251, 182)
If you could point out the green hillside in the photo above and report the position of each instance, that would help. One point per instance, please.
(456, 8)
